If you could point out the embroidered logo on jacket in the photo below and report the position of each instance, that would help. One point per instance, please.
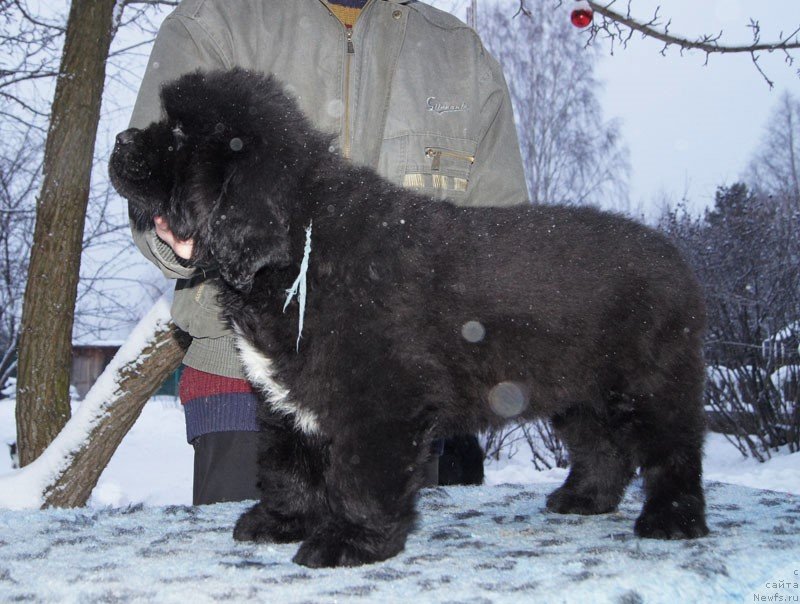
(438, 106)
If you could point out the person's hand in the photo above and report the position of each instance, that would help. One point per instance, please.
(182, 248)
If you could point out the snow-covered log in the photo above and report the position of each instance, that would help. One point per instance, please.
(65, 474)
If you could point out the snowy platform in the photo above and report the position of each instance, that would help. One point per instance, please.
(487, 544)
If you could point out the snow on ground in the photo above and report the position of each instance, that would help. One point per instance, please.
(726, 464)
(139, 540)
(26, 487)
(154, 462)
(722, 462)
(473, 544)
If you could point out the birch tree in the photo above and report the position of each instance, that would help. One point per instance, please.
(775, 169)
(571, 155)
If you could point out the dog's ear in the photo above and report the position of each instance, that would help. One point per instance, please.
(249, 227)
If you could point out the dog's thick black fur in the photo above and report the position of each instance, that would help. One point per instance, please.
(421, 317)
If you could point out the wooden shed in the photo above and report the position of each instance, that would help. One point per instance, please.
(90, 359)
(88, 362)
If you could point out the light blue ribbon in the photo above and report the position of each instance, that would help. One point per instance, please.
(299, 286)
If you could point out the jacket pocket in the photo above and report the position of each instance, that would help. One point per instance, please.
(436, 165)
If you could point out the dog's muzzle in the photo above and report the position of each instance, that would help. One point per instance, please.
(126, 159)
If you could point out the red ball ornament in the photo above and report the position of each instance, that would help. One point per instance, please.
(582, 14)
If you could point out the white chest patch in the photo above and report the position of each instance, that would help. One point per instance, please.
(259, 371)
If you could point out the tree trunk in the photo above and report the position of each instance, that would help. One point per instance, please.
(136, 382)
(45, 348)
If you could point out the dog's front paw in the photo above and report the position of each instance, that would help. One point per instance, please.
(566, 501)
(350, 545)
(320, 551)
(681, 518)
(262, 526)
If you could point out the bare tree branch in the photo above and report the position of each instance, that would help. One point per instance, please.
(618, 26)
(708, 43)
(23, 9)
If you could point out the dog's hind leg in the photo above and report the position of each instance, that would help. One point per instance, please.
(292, 486)
(600, 469)
(669, 434)
(374, 474)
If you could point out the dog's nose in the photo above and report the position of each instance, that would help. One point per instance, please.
(126, 136)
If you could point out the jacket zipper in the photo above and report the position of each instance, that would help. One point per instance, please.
(436, 153)
(351, 50)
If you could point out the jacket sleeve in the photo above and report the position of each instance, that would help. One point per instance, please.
(497, 177)
(181, 46)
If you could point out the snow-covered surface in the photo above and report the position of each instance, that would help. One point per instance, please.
(473, 544)
(24, 488)
(722, 462)
(139, 540)
(153, 464)
(725, 464)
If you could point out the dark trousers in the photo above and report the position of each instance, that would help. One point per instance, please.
(225, 467)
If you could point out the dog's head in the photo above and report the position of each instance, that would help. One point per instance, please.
(221, 167)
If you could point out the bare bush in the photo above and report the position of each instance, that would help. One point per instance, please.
(745, 251)
(539, 439)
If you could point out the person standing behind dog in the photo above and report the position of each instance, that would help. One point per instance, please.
(408, 89)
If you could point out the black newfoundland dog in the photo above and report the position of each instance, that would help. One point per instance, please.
(415, 318)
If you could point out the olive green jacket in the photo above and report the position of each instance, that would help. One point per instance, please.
(410, 91)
